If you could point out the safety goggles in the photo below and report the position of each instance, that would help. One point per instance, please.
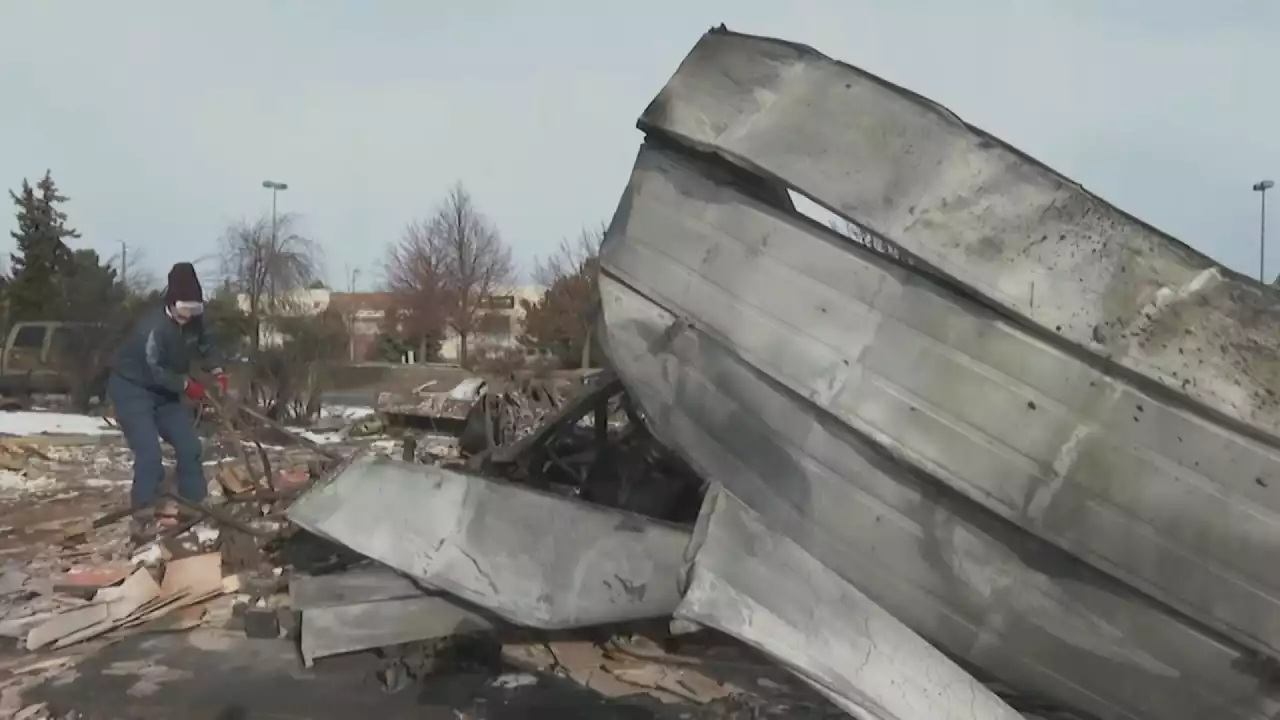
(186, 309)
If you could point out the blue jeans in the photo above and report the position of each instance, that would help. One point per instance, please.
(145, 416)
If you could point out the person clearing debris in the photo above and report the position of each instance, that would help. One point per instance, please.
(155, 397)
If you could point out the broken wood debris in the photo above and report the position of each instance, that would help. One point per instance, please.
(135, 602)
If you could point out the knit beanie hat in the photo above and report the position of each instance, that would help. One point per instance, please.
(184, 286)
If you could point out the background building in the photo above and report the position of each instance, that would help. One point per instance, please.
(499, 328)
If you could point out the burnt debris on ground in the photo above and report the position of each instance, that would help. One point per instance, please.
(560, 475)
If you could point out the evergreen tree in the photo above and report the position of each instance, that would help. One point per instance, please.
(33, 289)
(86, 289)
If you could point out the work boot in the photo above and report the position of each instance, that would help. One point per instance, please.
(166, 515)
(143, 528)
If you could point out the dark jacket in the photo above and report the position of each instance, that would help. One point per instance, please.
(159, 351)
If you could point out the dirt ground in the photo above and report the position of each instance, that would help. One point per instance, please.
(209, 673)
(66, 480)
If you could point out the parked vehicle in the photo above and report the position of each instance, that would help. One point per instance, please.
(52, 357)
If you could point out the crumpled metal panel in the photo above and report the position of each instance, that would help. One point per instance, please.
(530, 557)
(370, 607)
(337, 629)
(873, 417)
(363, 583)
(1161, 497)
(765, 590)
(985, 214)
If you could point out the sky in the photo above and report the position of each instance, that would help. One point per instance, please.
(161, 119)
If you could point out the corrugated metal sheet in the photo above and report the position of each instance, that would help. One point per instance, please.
(980, 211)
(765, 590)
(876, 419)
(1164, 499)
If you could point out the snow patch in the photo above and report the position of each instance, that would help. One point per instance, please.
(320, 438)
(346, 412)
(28, 422)
(14, 482)
(97, 482)
(468, 389)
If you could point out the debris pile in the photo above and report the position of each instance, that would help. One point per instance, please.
(139, 603)
(67, 514)
(597, 448)
(574, 459)
(428, 406)
(557, 550)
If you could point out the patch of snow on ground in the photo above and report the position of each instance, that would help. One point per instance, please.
(14, 483)
(97, 482)
(321, 438)
(346, 412)
(468, 389)
(26, 422)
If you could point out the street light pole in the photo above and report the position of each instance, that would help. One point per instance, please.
(1261, 188)
(275, 188)
(355, 310)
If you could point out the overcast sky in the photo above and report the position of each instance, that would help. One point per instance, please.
(161, 119)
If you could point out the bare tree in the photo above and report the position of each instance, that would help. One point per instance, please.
(267, 270)
(477, 263)
(455, 260)
(572, 257)
(267, 267)
(415, 277)
(563, 320)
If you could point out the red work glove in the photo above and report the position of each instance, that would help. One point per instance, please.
(196, 391)
(222, 382)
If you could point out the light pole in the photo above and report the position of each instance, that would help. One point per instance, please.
(355, 310)
(275, 188)
(1261, 188)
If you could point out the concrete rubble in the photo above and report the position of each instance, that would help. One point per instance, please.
(818, 478)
